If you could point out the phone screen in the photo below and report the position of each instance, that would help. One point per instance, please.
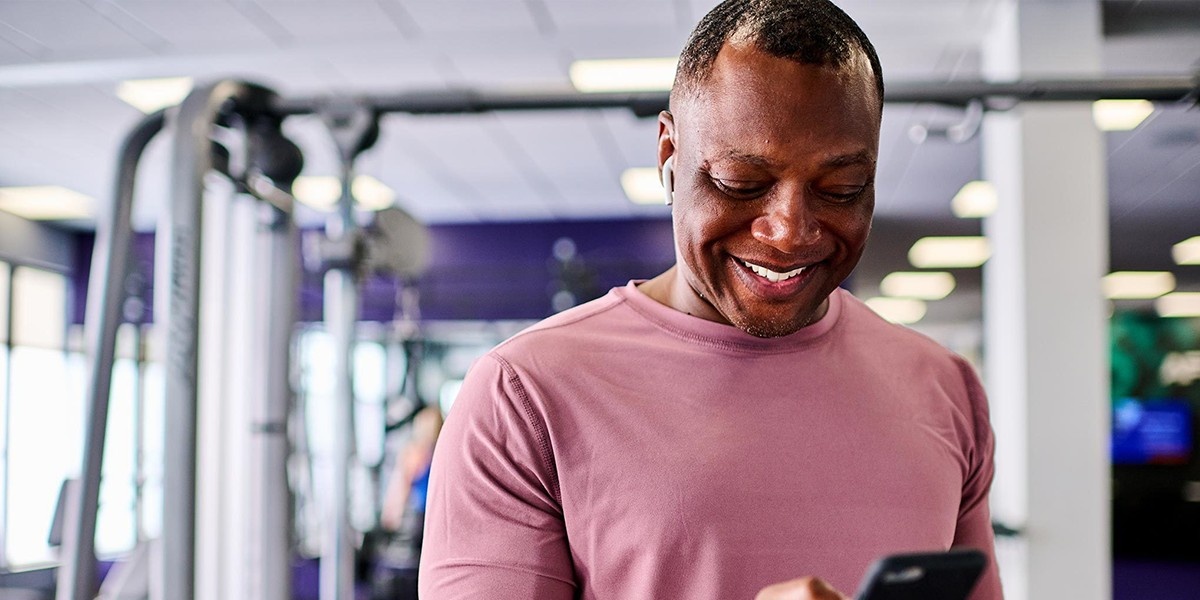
(928, 576)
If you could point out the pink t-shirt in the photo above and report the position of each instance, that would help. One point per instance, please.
(623, 450)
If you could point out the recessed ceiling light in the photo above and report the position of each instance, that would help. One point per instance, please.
(317, 191)
(949, 252)
(149, 95)
(905, 311)
(1187, 252)
(46, 203)
(1178, 304)
(923, 286)
(372, 194)
(975, 200)
(322, 192)
(624, 75)
(1120, 115)
(1137, 285)
(642, 185)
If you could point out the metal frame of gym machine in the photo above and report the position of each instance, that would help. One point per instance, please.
(353, 125)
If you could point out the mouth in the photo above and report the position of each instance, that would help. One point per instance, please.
(774, 283)
(771, 275)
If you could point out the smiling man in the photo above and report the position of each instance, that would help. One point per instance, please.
(738, 420)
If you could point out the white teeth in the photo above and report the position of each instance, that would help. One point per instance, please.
(772, 276)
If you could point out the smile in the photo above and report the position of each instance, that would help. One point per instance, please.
(773, 276)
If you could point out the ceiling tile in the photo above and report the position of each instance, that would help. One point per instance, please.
(461, 142)
(1175, 179)
(577, 15)
(560, 144)
(936, 170)
(11, 54)
(393, 76)
(1172, 54)
(352, 20)
(66, 28)
(636, 138)
(465, 156)
(201, 26)
(640, 41)
(435, 17)
(530, 72)
(701, 8)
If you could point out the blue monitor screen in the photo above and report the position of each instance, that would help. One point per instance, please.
(1152, 431)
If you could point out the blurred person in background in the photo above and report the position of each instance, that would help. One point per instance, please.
(402, 517)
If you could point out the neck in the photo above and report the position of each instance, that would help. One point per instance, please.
(672, 290)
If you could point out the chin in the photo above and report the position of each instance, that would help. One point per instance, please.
(771, 327)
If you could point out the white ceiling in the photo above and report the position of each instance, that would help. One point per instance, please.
(61, 123)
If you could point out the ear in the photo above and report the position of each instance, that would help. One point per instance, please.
(666, 138)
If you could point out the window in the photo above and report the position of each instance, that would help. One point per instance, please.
(4, 343)
(45, 414)
(116, 524)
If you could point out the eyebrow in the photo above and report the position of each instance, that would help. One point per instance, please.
(855, 158)
(861, 157)
(753, 159)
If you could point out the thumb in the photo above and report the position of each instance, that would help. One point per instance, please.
(804, 588)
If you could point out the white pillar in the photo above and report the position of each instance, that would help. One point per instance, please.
(1045, 316)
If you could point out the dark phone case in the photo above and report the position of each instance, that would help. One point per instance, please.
(933, 576)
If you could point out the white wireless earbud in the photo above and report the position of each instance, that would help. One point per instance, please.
(668, 181)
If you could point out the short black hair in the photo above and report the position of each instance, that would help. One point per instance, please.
(812, 32)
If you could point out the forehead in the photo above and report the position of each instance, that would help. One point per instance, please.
(752, 101)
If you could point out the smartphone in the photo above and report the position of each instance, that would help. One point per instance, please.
(930, 576)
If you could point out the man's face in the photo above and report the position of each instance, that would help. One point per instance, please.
(774, 166)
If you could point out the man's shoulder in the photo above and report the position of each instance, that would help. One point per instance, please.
(572, 327)
(863, 325)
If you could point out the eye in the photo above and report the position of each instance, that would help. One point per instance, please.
(742, 190)
(843, 194)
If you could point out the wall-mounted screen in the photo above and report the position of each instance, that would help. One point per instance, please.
(1156, 431)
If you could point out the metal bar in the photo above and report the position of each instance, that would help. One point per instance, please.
(139, 433)
(341, 315)
(110, 264)
(191, 161)
(354, 127)
(1160, 89)
(273, 578)
(337, 552)
(470, 101)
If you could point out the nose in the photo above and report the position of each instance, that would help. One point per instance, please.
(787, 224)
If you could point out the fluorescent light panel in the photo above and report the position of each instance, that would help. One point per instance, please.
(642, 185)
(149, 95)
(624, 75)
(905, 311)
(322, 192)
(1137, 285)
(975, 200)
(949, 252)
(46, 203)
(1187, 252)
(1120, 115)
(919, 285)
(1178, 304)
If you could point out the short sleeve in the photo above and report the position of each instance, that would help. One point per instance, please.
(974, 527)
(493, 523)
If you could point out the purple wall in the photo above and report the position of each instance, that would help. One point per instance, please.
(485, 271)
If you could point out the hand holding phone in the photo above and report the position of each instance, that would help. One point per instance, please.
(930, 576)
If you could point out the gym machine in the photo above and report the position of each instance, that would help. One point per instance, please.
(260, 163)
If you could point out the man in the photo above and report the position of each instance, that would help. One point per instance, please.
(738, 420)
